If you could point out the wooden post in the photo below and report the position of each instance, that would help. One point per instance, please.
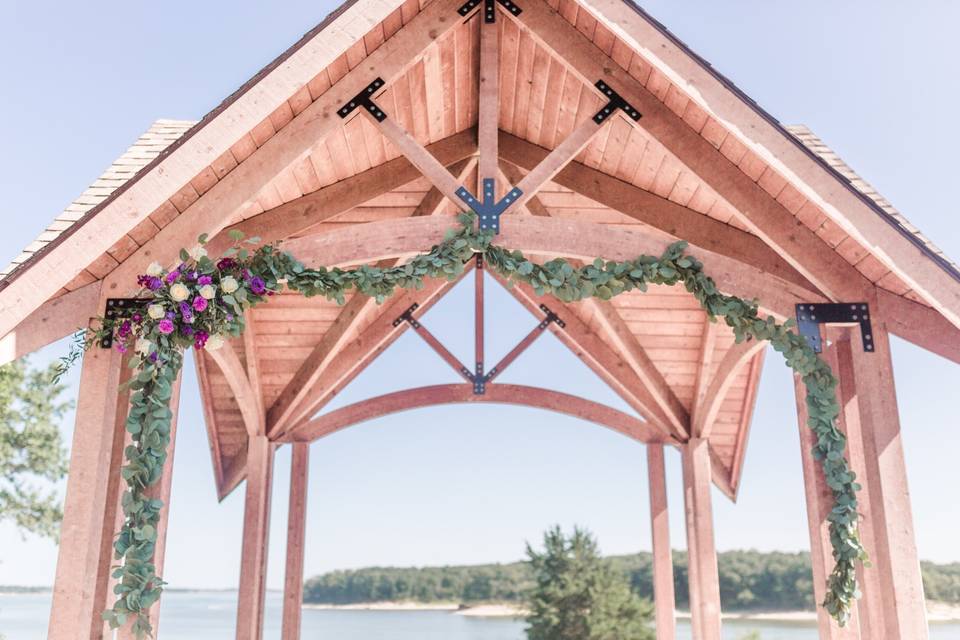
(160, 490)
(83, 564)
(664, 599)
(489, 109)
(868, 382)
(256, 527)
(704, 578)
(819, 499)
(296, 534)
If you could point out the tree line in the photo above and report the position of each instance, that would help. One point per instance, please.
(748, 580)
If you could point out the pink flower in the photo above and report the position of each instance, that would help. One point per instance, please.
(165, 326)
(199, 304)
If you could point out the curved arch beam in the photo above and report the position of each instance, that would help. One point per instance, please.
(514, 394)
(734, 360)
(229, 363)
(365, 243)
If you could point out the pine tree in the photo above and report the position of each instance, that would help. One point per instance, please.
(579, 596)
(31, 449)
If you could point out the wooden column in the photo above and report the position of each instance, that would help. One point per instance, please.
(296, 534)
(704, 578)
(867, 383)
(256, 527)
(160, 490)
(83, 564)
(819, 499)
(664, 599)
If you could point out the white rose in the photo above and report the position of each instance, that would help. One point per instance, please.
(156, 311)
(208, 291)
(198, 252)
(179, 292)
(143, 346)
(214, 342)
(155, 269)
(229, 284)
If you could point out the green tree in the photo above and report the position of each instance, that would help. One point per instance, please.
(31, 450)
(579, 596)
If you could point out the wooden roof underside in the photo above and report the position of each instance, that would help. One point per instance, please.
(297, 171)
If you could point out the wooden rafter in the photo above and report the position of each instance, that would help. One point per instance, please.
(671, 218)
(625, 343)
(212, 211)
(252, 361)
(733, 361)
(355, 355)
(434, 200)
(762, 214)
(233, 370)
(53, 320)
(704, 367)
(463, 393)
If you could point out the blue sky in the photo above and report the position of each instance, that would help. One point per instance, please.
(470, 484)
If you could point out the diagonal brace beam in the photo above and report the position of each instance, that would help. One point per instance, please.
(433, 342)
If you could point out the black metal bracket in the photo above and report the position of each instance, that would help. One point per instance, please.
(365, 99)
(550, 317)
(490, 210)
(407, 316)
(811, 316)
(489, 10)
(614, 102)
(118, 308)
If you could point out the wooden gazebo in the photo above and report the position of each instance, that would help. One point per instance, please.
(578, 128)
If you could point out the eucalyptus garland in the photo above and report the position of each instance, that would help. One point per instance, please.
(201, 303)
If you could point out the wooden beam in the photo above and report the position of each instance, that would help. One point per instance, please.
(86, 533)
(252, 361)
(296, 539)
(53, 320)
(230, 122)
(489, 98)
(733, 361)
(598, 355)
(243, 393)
(669, 217)
(297, 216)
(664, 599)
(256, 529)
(419, 156)
(919, 324)
(212, 211)
(512, 175)
(545, 236)
(762, 214)
(746, 421)
(857, 214)
(355, 355)
(433, 201)
(704, 367)
(513, 394)
(703, 573)
(623, 340)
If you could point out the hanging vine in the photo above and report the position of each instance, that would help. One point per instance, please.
(201, 303)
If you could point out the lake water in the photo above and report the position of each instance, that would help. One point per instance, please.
(211, 616)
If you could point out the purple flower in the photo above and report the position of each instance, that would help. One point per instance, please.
(165, 326)
(153, 357)
(229, 317)
(226, 263)
(124, 329)
(150, 282)
(192, 276)
(137, 317)
(202, 280)
(171, 315)
(122, 348)
(257, 286)
(200, 339)
(199, 304)
(186, 330)
(246, 274)
(172, 276)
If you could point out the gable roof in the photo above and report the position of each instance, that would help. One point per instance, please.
(274, 155)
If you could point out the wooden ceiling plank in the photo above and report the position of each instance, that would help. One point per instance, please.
(670, 217)
(765, 216)
(727, 370)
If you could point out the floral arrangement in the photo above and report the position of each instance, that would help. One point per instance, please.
(200, 303)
